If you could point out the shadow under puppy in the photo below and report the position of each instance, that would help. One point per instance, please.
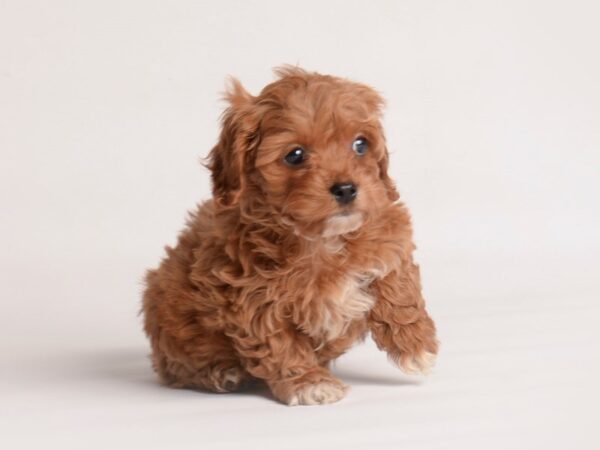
(303, 249)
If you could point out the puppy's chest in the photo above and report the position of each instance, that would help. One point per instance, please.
(341, 302)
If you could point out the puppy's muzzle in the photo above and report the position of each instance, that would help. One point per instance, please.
(344, 193)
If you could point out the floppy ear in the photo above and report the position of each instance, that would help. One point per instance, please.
(376, 103)
(383, 174)
(229, 160)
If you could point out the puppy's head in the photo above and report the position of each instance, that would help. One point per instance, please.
(309, 146)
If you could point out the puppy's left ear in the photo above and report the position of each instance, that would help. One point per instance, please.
(375, 103)
(231, 159)
(387, 181)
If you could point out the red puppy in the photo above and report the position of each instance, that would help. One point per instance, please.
(302, 250)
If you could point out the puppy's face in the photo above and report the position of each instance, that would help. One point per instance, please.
(317, 152)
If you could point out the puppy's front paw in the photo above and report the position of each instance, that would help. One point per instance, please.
(318, 394)
(421, 362)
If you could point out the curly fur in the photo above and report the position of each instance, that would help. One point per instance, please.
(272, 279)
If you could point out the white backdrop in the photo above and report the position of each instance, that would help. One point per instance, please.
(494, 121)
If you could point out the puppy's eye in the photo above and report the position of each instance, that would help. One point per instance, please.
(360, 145)
(295, 157)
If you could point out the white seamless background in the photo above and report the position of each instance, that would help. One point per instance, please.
(493, 120)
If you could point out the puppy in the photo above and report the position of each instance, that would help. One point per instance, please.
(303, 249)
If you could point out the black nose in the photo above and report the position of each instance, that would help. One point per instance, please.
(344, 193)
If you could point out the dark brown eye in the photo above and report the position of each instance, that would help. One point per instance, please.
(360, 146)
(295, 157)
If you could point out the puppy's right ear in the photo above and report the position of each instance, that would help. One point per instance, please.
(231, 158)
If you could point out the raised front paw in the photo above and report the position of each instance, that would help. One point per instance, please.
(412, 347)
(416, 363)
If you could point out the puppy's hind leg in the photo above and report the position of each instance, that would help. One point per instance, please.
(185, 351)
(218, 374)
